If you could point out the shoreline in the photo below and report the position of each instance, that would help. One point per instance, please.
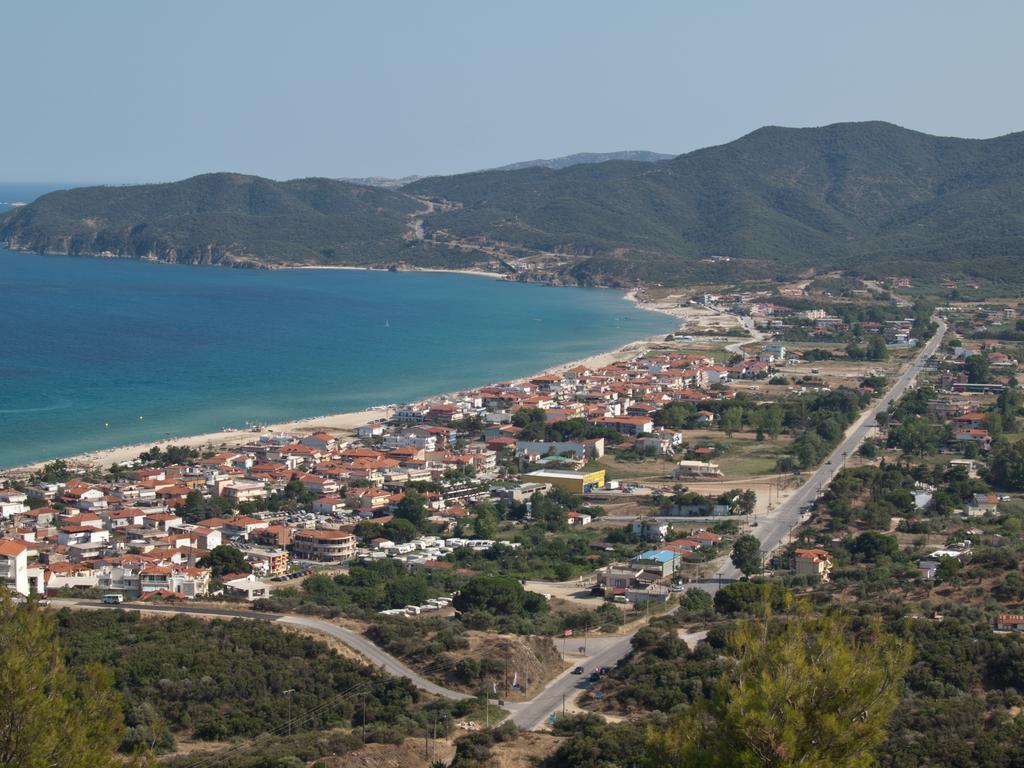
(440, 270)
(244, 264)
(345, 423)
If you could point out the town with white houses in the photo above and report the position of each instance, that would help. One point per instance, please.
(288, 505)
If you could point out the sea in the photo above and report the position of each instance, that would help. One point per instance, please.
(97, 353)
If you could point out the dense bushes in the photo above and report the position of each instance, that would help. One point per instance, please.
(223, 679)
(1007, 466)
(745, 597)
(474, 749)
(367, 588)
(498, 595)
(661, 673)
(818, 420)
(956, 711)
(594, 743)
(540, 555)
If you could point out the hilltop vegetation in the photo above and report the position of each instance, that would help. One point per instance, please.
(871, 198)
(215, 218)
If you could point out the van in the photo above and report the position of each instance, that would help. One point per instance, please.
(113, 599)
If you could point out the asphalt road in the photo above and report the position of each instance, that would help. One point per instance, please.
(373, 653)
(604, 652)
(773, 528)
(362, 645)
(531, 714)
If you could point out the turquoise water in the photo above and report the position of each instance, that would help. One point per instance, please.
(88, 346)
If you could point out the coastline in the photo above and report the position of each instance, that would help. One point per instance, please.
(471, 272)
(345, 423)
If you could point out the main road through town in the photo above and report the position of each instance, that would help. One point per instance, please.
(771, 530)
(773, 527)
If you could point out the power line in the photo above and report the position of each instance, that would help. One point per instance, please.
(355, 690)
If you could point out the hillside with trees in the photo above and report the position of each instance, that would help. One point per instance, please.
(218, 218)
(871, 198)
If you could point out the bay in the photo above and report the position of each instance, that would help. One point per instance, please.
(98, 353)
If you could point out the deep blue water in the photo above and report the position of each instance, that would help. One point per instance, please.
(88, 346)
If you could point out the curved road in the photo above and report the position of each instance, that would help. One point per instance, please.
(604, 651)
(373, 653)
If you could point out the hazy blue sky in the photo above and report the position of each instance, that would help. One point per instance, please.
(132, 91)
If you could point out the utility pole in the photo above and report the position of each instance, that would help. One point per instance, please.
(364, 718)
(288, 695)
(433, 741)
(563, 705)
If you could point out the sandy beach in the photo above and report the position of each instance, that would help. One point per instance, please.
(471, 272)
(345, 423)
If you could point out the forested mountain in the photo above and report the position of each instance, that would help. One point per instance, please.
(218, 218)
(868, 196)
(872, 198)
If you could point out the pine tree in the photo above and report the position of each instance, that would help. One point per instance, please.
(50, 716)
(804, 690)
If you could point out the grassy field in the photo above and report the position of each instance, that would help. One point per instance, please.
(744, 456)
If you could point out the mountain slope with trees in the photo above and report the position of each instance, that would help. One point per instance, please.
(871, 198)
(218, 218)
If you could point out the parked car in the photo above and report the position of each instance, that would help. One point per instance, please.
(577, 670)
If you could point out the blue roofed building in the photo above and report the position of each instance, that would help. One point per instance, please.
(661, 562)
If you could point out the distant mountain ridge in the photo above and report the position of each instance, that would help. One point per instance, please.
(583, 158)
(871, 198)
(579, 158)
(382, 181)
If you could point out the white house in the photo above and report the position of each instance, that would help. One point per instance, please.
(82, 534)
(247, 586)
(12, 503)
(14, 565)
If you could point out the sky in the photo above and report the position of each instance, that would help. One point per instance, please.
(129, 91)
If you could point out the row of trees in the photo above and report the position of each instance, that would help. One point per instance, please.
(535, 426)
